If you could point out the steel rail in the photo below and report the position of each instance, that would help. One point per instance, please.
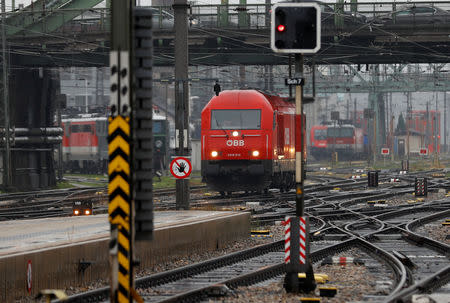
(185, 271)
(428, 284)
(414, 224)
(246, 279)
(278, 269)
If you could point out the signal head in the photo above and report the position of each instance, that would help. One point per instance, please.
(295, 28)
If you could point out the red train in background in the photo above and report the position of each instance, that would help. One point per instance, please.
(318, 141)
(85, 146)
(248, 142)
(347, 140)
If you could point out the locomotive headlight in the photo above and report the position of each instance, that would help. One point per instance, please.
(235, 133)
(214, 154)
(76, 212)
(255, 153)
(87, 212)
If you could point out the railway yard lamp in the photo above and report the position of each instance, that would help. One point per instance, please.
(295, 29)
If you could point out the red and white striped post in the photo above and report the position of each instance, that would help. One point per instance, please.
(302, 240)
(291, 254)
(296, 253)
(287, 240)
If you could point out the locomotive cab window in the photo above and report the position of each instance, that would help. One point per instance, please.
(320, 134)
(236, 119)
(77, 128)
(345, 132)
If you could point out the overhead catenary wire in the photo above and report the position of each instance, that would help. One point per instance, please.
(228, 34)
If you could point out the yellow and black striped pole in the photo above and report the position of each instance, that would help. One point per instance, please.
(120, 151)
(119, 191)
(130, 142)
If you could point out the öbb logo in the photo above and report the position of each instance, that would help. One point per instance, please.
(235, 143)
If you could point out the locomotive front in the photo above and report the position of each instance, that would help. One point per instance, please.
(236, 141)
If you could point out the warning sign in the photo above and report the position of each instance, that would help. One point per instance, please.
(29, 276)
(423, 151)
(180, 167)
(385, 151)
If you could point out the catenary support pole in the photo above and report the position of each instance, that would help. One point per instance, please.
(445, 122)
(181, 97)
(7, 160)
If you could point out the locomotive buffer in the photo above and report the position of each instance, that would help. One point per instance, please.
(296, 30)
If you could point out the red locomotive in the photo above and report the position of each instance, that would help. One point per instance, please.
(85, 147)
(248, 142)
(347, 140)
(318, 141)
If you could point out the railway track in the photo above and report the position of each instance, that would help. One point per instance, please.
(402, 261)
(53, 203)
(45, 203)
(215, 277)
(50, 203)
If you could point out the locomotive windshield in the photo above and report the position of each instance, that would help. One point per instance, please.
(236, 119)
(80, 128)
(320, 134)
(341, 132)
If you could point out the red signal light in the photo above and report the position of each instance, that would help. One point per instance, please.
(281, 28)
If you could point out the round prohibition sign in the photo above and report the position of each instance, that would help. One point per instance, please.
(180, 167)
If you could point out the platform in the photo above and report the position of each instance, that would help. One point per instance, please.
(73, 251)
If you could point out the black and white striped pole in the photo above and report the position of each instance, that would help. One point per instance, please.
(296, 30)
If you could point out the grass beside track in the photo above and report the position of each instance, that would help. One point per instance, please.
(95, 177)
(169, 181)
(64, 185)
(158, 183)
